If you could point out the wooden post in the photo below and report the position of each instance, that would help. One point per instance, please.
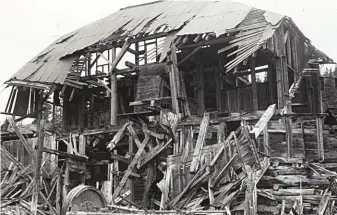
(251, 193)
(218, 81)
(279, 82)
(115, 170)
(113, 94)
(266, 140)
(254, 87)
(200, 89)
(175, 70)
(319, 133)
(59, 192)
(302, 135)
(53, 117)
(66, 180)
(221, 138)
(81, 110)
(130, 182)
(289, 137)
(110, 182)
(200, 143)
(270, 83)
(173, 75)
(40, 129)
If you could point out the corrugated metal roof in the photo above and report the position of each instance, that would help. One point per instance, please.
(190, 17)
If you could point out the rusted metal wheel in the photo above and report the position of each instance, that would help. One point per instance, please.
(83, 198)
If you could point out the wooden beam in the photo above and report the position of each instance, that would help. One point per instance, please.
(223, 171)
(196, 50)
(130, 65)
(130, 167)
(118, 136)
(254, 87)
(263, 121)
(266, 140)
(48, 94)
(101, 83)
(174, 77)
(121, 53)
(40, 129)
(152, 154)
(113, 88)
(134, 135)
(324, 202)
(200, 143)
(319, 134)
(22, 139)
(279, 81)
(271, 85)
(216, 41)
(218, 86)
(130, 182)
(65, 154)
(251, 193)
(200, 89)
(290, 147)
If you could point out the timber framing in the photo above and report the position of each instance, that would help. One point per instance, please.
(171, 119)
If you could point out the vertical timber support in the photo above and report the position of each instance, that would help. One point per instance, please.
(254, 87)
(200, 89)
(289, 137)
(266, 140)
(270, 83)
(319, 133)
(218, 86)
(113, 93)
(113, 88)
(130, 182)
(40, 129)
(279, 82)
(174, 79)
(251, 193)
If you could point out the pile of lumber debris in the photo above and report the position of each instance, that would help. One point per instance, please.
(231, 176)
(212, 179)
(17, 188)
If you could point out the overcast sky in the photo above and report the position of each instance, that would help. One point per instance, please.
(28, 26)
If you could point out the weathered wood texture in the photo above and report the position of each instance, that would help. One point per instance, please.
(15, 148)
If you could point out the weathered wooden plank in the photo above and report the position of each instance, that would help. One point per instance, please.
(289, 191)
(251, 193)
(174, 79)
(65, 154)
(223, 171)
(134, 135)
(263, 121)
(40, 129)
(22, 138)
(130, 167)
(290, 147)
(200, 143)
(164, 186)
(113, 82)
(188, 145)
(118, 136)
(152, 154)
(324, 202)
(293, 181)
(254, 88)
(320, 143)
(189, 185)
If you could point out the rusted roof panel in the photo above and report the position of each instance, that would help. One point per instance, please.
(188, 17)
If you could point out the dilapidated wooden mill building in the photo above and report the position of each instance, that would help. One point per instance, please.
(174, 107)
